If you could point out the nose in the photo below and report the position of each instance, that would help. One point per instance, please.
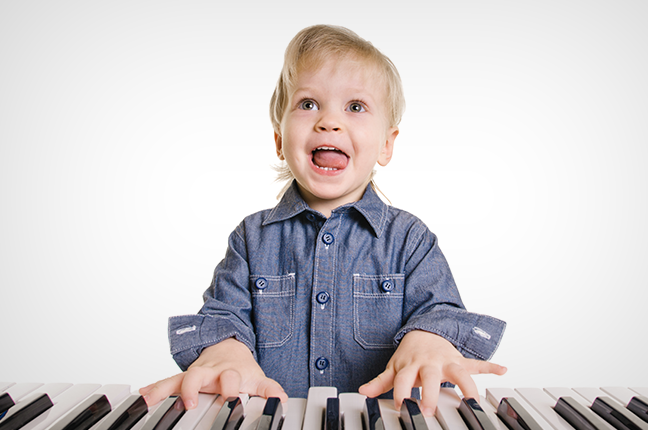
(328, 121)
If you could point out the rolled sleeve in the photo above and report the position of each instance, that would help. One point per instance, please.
(190, 334)
(225, 313)
(474, 335)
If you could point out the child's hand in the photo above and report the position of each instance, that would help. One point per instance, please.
(227, 368)
(426, 360)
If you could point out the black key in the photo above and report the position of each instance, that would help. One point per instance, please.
(639, 406)
(85, 415)
(230, 415)
(126, 415)
(515, 416)
(372, 418)
(332, 419)
(271, 417)
(617, 415)
(5, 403)
(579, 416)
(166, 415)
(411, 416)
(26, 412)
(474, 416)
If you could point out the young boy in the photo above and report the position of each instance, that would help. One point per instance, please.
(332, 287)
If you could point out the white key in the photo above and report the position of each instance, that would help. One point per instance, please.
(351, 407)
(252, 412)
(293, 414)
(52, 390)
(389, 414)
(492, 414)
(621, 394)
(557, 392)
(640, 390)
(495, 395)
(316, 406)
(210, 415)
(543, 404)
(447, 412)
(18, 391)
(192, 417)
(5, 385)
(590, 394)
(63, 403)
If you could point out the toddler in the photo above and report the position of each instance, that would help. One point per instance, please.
(331, 287)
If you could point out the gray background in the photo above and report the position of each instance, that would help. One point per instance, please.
(134, 136)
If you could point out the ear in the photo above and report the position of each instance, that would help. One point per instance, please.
(388, 149)
(279, 145)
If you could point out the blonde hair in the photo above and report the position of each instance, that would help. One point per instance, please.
(313, 46)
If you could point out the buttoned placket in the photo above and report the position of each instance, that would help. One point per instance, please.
(322, 302)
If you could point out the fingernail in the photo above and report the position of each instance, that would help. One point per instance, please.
(428, 412)
(190, 404)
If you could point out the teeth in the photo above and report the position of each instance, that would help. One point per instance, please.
(325, 148)
(327, 168)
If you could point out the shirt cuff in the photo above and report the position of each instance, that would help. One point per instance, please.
(190, 334)
(474, 335)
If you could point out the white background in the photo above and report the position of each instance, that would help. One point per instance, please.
(134, 136)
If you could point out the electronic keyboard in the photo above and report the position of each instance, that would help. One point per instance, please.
(113, 407)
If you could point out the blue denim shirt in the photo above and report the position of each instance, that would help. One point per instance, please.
(325, 302)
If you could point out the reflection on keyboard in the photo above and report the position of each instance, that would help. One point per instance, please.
(114, 407)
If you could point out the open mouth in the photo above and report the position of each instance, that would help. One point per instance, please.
(329, 158)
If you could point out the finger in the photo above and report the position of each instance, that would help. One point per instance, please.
(271, 388)
(378, 385)
(195, 379)
(475, 367)
(431, 384)
(459, 376)
(159, 391)
(403, 383)
(230, 383)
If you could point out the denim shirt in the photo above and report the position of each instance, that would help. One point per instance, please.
(325, 302)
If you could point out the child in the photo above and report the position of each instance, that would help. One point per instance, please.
(332, 287)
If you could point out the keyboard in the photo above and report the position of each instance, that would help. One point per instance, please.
(33, 406)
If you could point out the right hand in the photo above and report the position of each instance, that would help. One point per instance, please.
(227, 368)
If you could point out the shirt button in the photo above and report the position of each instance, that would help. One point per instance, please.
(310, 217)
(322, 297)
(261, 283)
(328, 238)
(321, 363)
(387, 286)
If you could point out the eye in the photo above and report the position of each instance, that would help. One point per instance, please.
(307, 105)
(356, 107)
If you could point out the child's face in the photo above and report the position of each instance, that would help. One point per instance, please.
(334, 131)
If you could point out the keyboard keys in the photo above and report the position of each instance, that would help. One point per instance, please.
(411, 416)
(271, 416)
(580, 417)
(474, 416)
(617, 415)
(515, 416)
(5, 403)
(26, 411)
(230, 415)
(126, 415)
(371, 414)
(639, 406)
(332, 417)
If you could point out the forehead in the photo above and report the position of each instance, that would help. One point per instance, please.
(349, 73)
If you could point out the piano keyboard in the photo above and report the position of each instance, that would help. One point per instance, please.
(114, 407)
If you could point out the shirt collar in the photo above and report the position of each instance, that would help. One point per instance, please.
(370, 206)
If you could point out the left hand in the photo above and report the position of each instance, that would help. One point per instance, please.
(424, 359)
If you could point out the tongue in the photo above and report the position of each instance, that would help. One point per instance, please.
(332, 159)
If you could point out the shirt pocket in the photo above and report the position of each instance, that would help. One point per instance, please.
(377, 309)
(273, 309)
